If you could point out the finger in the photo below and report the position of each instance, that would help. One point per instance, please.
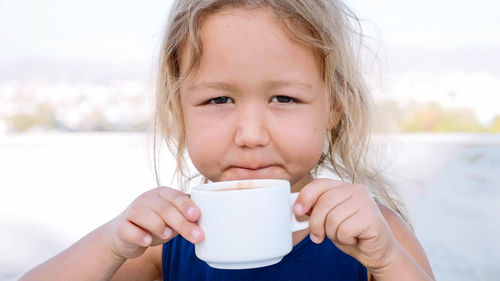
(338, 216)
(142, 216)
(133, 234)
(325, 204)
(350, 229)
(169, 233)
(182, 202)
(176, 220)
(311, 192)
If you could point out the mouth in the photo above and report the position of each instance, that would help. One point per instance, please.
(265, 171)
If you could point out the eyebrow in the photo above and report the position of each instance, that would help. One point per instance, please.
(270, 85)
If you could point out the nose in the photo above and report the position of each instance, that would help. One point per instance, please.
(251, 131)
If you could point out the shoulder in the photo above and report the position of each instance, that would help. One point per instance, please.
(400, 229)
(406, 237)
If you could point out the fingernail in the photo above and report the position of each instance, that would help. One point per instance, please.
(147, 240)
(195, 234)
(298, 208)
(314, 238)
(190, 212)
(167, 232)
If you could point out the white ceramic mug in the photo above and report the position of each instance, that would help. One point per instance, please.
(247, 227)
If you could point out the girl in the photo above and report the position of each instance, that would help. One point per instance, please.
(259, 89)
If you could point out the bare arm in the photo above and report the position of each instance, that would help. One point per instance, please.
(411, 261)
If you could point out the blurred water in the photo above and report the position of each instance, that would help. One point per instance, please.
(459, 217)
(55, 188)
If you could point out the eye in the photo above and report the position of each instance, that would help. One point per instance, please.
(283, 99)
(220, 100)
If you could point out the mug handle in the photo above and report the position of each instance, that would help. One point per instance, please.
(297, 225)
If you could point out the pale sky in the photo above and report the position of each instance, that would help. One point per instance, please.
(79, 30)
(129, 30)
(434, 25)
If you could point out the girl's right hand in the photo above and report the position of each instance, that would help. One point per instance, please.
(154, 218)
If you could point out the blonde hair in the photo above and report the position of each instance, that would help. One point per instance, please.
(334, 32)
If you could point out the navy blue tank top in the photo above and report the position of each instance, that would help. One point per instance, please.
(307, 261)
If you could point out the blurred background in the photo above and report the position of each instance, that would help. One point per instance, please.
(76, 87)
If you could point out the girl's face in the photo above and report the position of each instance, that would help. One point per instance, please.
(256, 106)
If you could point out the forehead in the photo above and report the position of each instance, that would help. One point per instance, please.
(250, 44)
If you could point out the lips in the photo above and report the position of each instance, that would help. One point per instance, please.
(260, 171)
(252, 167)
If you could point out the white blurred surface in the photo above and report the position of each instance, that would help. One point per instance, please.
(55, 188)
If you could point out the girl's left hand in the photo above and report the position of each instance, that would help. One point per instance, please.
(348, 215)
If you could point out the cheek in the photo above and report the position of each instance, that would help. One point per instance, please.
(202, 150)
(304, 138)
(206, 141)
(311, 145)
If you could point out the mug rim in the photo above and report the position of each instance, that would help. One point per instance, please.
(209, 187)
